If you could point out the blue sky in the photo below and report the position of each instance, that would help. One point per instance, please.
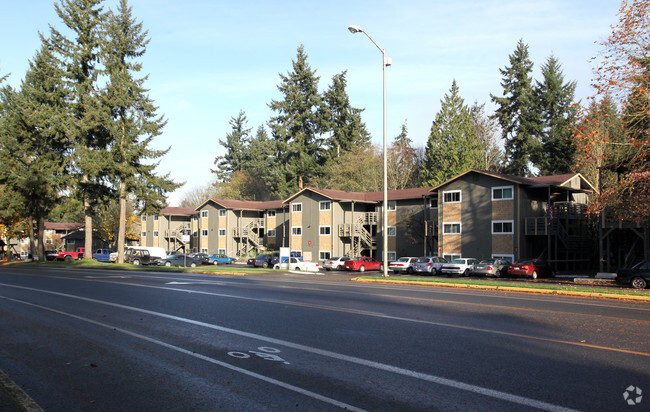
(209, 59)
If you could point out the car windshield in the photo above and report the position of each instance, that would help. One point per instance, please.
(488, 261)
(524, 262)
(461, 261)
(404, 259)
(423, 260)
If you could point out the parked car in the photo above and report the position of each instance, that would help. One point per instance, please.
(180, 260)
(533, 268)
(263, 260)
(363, 263)
(459, 266)
(638, 276)
(140, 257)
(203, 257)
(275, 257)
(429, 264)
(335, 263)
(490, 267)
(251, 261)
(51, 254)
(403, 265)
(218, 259)
(296, 263)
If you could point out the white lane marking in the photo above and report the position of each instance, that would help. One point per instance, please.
(198, 356)
(372, 364)
(178, 283)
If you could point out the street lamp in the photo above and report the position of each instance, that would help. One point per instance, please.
(385, 62)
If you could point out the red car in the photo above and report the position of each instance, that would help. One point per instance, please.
(362, 264)
(533, 268)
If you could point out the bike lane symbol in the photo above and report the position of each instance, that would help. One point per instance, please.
(264, 352)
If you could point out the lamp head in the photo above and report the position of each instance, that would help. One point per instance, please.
(354, 28)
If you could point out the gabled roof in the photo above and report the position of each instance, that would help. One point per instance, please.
(62, 226)
(365, 197)
(541, 181)
(244, 204)
(178, 211)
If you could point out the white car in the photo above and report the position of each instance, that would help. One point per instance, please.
(296, 263)
(429, 264)
(335, 263)
(403, 264)
(460, 266)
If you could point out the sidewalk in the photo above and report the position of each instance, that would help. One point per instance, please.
(13, 398)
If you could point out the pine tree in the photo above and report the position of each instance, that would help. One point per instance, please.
(452, 147)
(554, 100)
(236, 143)
(487, 135)
(404, 165)
(87, 119)
(341, 120)
(516, 112)
(296, 129)
(133, 122)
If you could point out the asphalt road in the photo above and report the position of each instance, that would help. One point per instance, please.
(79, 340)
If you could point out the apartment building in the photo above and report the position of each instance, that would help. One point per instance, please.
(483, 214)
(174, 228)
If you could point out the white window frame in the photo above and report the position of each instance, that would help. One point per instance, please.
(444, 227)
(195, 233)
(452, 192)
(222, 232)
(296, 207)
(391, 231)
(143, 234)
(155, 233)
(204, 214)
(392, 205)
(501, 188)
(204, 250)
(204, 232)
(325, 205)
(223, 213)
(510, 258)
(324, 255)
(512, 227)
(328, 230)
(452, 256)
(391, 255)
(270, 233)
(221, 251)
(296, 231)
(270, 213)
(433, 203)
(155, 218)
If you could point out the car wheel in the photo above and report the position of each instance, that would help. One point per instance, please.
(215, 263)
(168, 264)
(67, 258)
(409, 270)
(362, 269)
(192, 265)
(381, 268)
(534, 275)
(327, 269)
(265, 265)
(297, 268)
(639, 283)
(466, 273)
(339, 267)
(136, 262)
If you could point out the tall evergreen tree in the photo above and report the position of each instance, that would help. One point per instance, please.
(404, 165)
(86, 123)
(516, 112)
(487, 135)
(554, 100)
(133, 122)
(296, 129)
(341, 120)
(452, 147)
(234, 160)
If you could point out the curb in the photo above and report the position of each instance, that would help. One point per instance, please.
(17, 395)
(509, 289)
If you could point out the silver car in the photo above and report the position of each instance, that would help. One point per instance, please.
(335, 263)
(490, 267)
(403, 265)
(429, 265)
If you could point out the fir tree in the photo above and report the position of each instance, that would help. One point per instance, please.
(296, 129)
(234, 160)
(452, 147)
(487, 135)
(404, 164)
(554, 100)
(516, 112)
(133, 122)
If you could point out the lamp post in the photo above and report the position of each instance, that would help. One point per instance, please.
(386, 61)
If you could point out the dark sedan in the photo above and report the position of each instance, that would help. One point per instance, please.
(638, 276)
(181, 260)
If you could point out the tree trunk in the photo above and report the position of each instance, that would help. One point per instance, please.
(88, 225)
(122, 226)
(41, 239)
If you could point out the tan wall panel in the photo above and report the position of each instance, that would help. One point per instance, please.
(451, 212)
(392, 219)
(503, 210)
(504, 244)
(325, 218)
(451, 244)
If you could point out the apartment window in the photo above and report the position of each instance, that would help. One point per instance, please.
(325, 205)
(500, 227)
(452, 228)
(451, 256)
(144, 234)
(502, 193)
(221, 251)
(195, 218)
(155, 218)
(296, 231)
(392, 231)
(324, 230)
(204, 232)
(296, 207)
(195, 233)
(509, 258)
(392, 206)
(204, 250)
(270, 213)
(48, 241)
(222, 212)
(204, 213)
(433, 203)
(392, 256)
(155, 233)
(452, 196)
(270, 233)
(324, 255)
(222, 232)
